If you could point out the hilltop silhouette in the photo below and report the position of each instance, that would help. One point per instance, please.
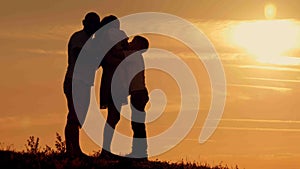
(35, 157)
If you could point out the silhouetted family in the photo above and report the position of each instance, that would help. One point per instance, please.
(112, 95)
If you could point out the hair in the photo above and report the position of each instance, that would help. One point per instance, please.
(109, 19)
(142, 41)
(92, 15)
(91, 22)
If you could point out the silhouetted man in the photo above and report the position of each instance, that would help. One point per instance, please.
(91, 24)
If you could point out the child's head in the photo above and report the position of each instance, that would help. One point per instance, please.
(139, 43)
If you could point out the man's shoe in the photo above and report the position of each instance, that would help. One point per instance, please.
(77, 155)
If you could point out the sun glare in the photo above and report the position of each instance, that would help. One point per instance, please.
(266, 40)
(270, 11)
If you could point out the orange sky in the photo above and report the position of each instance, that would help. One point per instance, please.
(260, 127)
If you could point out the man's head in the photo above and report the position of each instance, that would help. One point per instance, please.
(139, 43)
(91, 23)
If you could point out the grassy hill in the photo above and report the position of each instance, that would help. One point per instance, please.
(47, 158)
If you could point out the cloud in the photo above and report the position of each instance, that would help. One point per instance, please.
(280, 89)
(42, 31)
(263, 121)
(15, 122)
(273, 79)
(45, 52)
(259, 129)
(267, 67)
(258, 125)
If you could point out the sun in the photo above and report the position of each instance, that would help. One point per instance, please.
(266, 40)
(270, 11)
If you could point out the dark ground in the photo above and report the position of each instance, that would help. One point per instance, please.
(20, 160)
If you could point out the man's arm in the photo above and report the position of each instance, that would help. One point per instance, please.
(73, 51)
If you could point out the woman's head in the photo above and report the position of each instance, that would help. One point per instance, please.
(109, 19)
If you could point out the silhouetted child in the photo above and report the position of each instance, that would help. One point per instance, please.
(138, 96)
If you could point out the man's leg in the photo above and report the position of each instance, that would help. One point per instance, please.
(72, 129)
(73, 125)
(72, 136)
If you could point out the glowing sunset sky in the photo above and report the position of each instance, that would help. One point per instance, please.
(257, 41)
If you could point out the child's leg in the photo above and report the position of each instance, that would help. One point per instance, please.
(138, 102)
